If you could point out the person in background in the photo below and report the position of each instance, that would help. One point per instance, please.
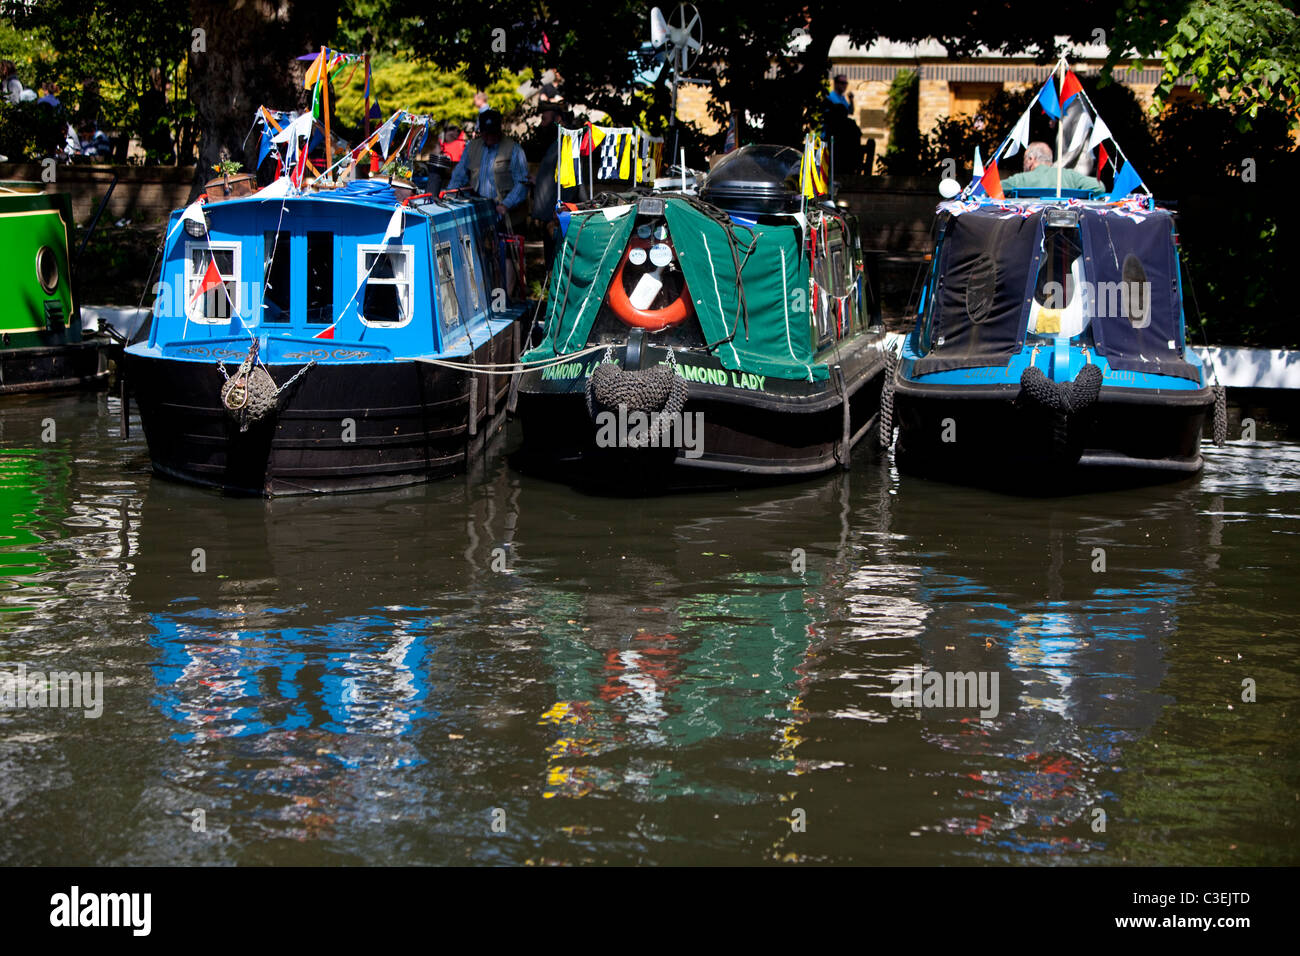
(50, 95)
(481, 102)
(453, 141)
(494, 167)
(11, 88)
(1040, 173)
(544, 190)
(844, 134)
(839, 95)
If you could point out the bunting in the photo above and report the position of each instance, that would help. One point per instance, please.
(1070, 87)
(1126, 180)
(211, 279)
(1020, 134)
(1048, 101)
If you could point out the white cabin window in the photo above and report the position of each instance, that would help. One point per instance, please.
(449, 305)
(386, 273)
(467, 251)
(214, 307)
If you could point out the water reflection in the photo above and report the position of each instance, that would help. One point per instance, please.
(678, 680)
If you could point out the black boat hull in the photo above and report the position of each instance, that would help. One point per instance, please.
(789, 431)
(53, 368)
(339, 427)
(981, 435)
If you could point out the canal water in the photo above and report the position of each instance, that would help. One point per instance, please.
(499, 669)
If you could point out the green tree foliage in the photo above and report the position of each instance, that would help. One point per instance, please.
(102, 52)
(902, 117)
(1242, 53)
(400, 82)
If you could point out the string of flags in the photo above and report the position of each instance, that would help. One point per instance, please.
(1082, 131)
(610, 152)
(291, 136)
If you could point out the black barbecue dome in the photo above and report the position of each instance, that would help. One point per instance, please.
(756, 180)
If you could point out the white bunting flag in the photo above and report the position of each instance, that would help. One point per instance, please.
(1099, 133)
(1019, 135)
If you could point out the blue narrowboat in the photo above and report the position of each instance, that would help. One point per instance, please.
(1049, 350)
(317, 341)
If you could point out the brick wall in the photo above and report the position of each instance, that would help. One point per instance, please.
(144, 194)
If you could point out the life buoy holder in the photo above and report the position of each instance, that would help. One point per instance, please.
(650, 319)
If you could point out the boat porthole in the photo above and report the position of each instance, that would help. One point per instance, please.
(47, 268)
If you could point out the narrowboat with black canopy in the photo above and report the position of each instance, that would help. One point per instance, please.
(325, 333)
(1049, 350)
(738, 317)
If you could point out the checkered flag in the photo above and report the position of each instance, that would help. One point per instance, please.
(608, 168)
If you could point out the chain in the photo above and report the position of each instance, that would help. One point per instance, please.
(295, 376)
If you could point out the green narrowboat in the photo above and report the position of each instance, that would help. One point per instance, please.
(41, 344)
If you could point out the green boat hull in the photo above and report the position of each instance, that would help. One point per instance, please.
(41, 343)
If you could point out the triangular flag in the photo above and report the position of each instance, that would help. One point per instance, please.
(979, 164)
(386, 137)
(1019, 135)
(193, 213)
(1126, 180)
(211, 279)
(991, 182)
(375, 111)
(1100, 132)
(314, 71)
(1048, 101)
(395, 225)
(325, 333)
(264, 148)
(1070, 86)
(1102, 158)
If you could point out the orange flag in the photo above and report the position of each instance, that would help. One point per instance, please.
(314, 71)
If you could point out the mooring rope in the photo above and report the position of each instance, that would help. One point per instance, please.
(512, 368)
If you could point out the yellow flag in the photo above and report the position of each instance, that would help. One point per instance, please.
(626, 149)
(564, 168)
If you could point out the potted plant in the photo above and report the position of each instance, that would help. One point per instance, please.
(230, 182)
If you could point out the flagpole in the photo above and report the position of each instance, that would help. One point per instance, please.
(1060, 130)
(324, 81)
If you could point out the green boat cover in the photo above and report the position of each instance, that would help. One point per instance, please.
(769, 334)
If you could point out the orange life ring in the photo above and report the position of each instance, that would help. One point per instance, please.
(651, 319)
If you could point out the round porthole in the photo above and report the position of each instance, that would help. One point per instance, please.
(47, 269)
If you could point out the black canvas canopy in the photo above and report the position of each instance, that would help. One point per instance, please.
(988, 261)
(1133, 265)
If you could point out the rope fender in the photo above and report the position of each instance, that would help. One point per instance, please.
(251, 393)
(887, 401)
(1220, 415)
(1061, 400)
(658, 391)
